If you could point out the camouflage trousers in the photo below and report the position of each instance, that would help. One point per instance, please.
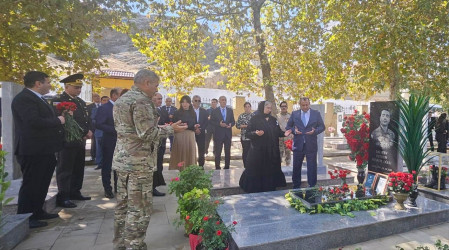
(133, 210)
(285, 151)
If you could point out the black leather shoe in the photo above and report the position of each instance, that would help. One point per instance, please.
(79, 197)
(66, 204)
(37, 223)
(45, 216)
(157, 193)
(217, 168)
(108, 194)
(226, 167)
(97, 168)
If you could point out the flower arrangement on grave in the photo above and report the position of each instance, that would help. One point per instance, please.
(356, 131)
(331, 131)
(400, 182)
(73, 132)
(289, 144)
(339, 174)
(4, 185)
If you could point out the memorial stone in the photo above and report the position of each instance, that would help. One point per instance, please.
(9, 91)
(383, 146)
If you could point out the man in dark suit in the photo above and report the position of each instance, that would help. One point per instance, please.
(223, 120)
(210, 128)
(105, 122)
(202, 119)
(90, 110)
(158, 178)
(71, 159)
(171, 112)
(431, 126)
(39, 135)
(305, 124)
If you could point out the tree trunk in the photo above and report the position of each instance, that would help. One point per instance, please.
(263, 58)
(394, 81)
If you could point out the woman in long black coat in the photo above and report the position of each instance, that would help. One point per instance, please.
(263, 169)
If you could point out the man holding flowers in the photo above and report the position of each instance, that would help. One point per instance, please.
(71, 159)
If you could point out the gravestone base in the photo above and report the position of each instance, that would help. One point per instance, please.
(13, 229)
(266, 221)
(226, 182)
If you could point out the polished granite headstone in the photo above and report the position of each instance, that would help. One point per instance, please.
(226, 182)
(266, 221)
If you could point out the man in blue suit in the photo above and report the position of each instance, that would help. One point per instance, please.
(223, 120)
(105, 122)
(305, 124)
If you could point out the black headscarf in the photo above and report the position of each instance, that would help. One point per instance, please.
(261, 108)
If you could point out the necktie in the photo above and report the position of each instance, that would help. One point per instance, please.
(223, 113)
(303, 118)
(168, 110)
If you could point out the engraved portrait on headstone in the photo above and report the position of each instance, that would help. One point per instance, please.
(383, 152)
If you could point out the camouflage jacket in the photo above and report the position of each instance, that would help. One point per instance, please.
(138, 135)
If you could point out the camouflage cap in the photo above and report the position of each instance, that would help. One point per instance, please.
(74, 80)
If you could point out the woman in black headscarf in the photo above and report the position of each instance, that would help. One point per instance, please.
(263, 168)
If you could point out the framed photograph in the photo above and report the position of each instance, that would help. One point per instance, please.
(381, 184)
(370, 179)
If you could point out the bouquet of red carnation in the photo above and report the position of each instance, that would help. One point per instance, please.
(73, 132)
(356, 131)
(289, 144)
(401, 182)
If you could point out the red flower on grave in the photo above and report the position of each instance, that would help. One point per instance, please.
(219, 232)
(206, 218)
(218, 222)
(234, 222)
(187, 217)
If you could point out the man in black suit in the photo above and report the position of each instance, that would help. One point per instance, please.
(210, 128)
(223, 120)
(94, 105)
(202, 119)
(430, 126)
(158, 178)
(105, 122)
(39, 135)
(171, 112)
(71, 159)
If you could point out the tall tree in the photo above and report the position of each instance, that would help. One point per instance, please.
(252, 36)
(387, 45)
(32, 30)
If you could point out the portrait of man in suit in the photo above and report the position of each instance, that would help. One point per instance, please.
(222, 118)
(306, 124)
(200, 128)
(38, 136)
(105, 122)
(382, 136)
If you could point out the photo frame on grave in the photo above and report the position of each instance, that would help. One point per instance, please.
(381, 184)
(369, 182)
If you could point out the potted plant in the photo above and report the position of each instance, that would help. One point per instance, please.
(192, 176)
(413, 134)
(191, 208)
(401, 184)
(356, 131)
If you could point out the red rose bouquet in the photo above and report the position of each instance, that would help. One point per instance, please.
(73, 132)
(356, 131)
(289, 144)
(401, 182)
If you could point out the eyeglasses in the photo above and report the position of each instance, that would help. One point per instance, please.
(197, 100)
(283, 106)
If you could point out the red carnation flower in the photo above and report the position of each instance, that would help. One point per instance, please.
(206, 218)
(187, 217)
(234, 222)
(219, 232)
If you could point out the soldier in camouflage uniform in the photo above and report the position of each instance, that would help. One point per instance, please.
(135, 156)
(283, 117)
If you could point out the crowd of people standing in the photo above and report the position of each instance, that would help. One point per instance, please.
(128, 131)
